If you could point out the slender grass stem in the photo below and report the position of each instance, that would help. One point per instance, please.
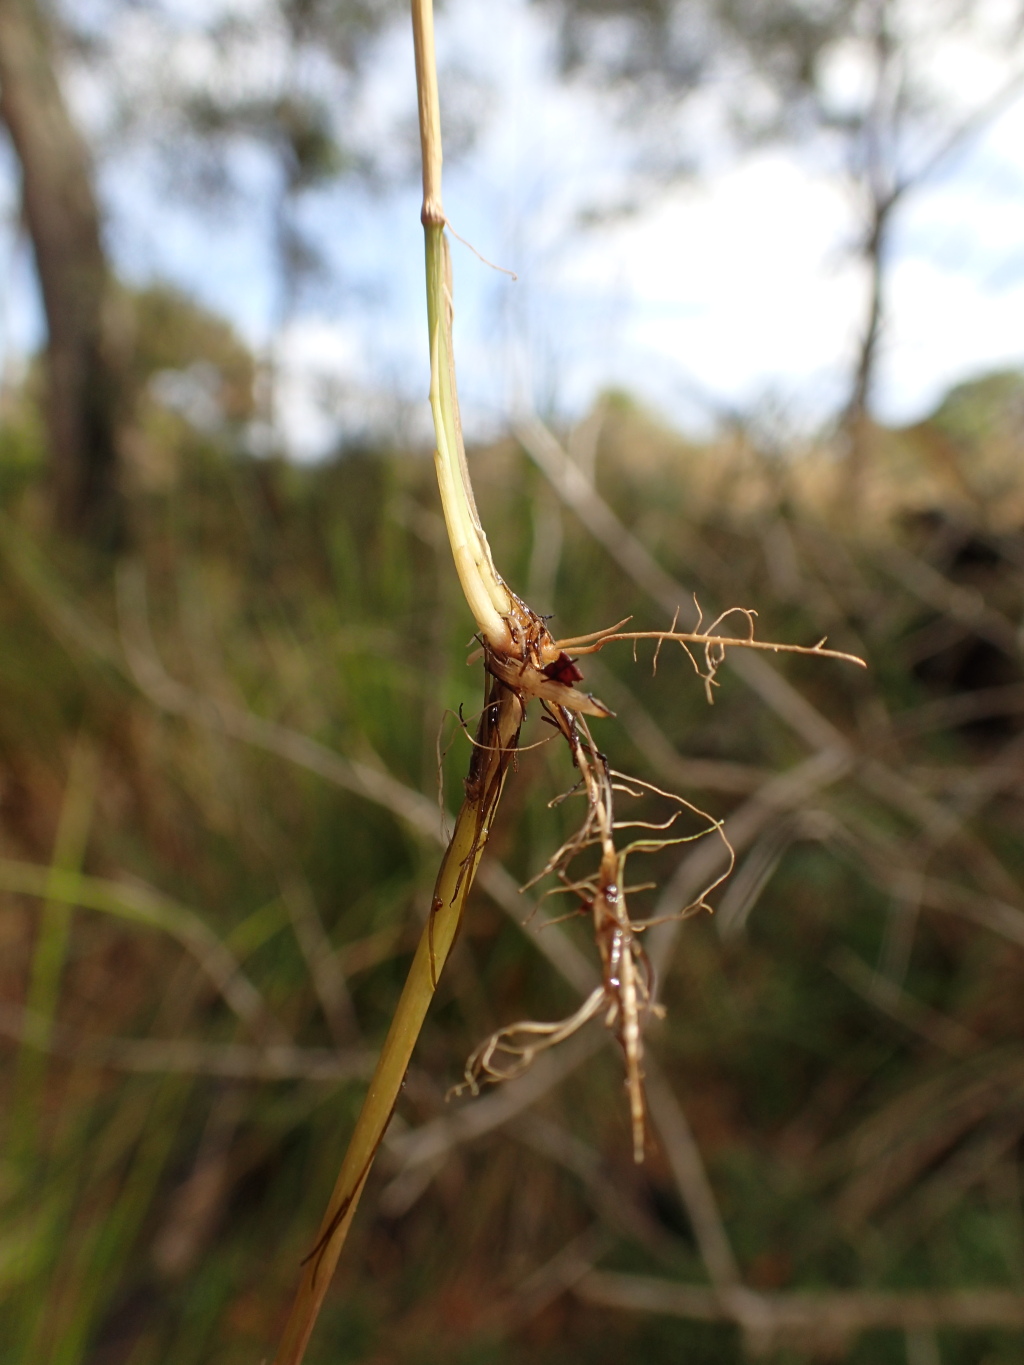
(488, 598)
(497, 614)
(496, 741)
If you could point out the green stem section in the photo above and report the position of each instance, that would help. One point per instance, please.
(489, 600)
(485, 592)
(496, 740)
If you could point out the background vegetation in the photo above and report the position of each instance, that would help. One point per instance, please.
(227, 686)
(194, 764)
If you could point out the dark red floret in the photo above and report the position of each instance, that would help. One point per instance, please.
(564, 670)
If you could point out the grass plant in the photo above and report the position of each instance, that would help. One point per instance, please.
(523, 662)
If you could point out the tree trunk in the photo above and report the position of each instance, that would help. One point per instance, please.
(83, 397)
(856, 419)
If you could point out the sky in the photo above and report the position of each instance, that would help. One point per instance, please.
(736, 290)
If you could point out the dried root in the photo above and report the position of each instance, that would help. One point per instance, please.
(541, 668)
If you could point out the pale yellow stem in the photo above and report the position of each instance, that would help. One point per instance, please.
(488, 597)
